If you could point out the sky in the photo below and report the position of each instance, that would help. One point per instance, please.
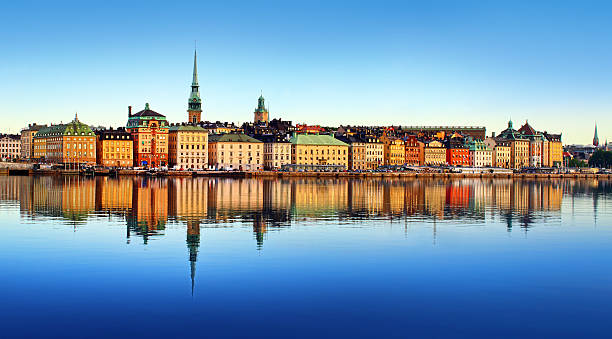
(317, 62)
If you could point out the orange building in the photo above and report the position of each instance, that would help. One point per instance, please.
(149, 130)
(71, 143)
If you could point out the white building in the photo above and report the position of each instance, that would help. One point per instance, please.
(10, 147)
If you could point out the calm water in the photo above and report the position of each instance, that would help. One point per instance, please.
(304, 258)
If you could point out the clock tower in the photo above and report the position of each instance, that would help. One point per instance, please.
(194, 104)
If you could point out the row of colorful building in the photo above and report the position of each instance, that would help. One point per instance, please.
(149, 140)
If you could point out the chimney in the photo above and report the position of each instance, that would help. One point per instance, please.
(492, 134)
(129, 111)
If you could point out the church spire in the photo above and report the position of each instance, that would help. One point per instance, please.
(194, 82)
(595, 137)
(194, 104)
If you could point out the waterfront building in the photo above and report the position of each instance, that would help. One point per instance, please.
(114, 148)
(261, 112)
(394, 150)
(519, 146)
(434, 153)
(414, 151)
(188, 147)
(71, 143)
(318, 149)
(357, 152)
(536, 144)
(235, 151)
(10, 146)
(276, 151)
(457, 153)
(27, 134)
(480, 154)
(149, 130)
(374, 152)
(194, 104)
(555, 149)
(502, 155)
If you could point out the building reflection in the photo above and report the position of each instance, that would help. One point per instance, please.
(147, 205)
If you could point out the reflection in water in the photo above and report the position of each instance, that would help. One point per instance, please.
(149, 204)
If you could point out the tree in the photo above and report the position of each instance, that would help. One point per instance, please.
(601, 158)
(576, 163)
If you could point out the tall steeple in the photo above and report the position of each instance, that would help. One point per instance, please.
(595, 137)
(194, 109)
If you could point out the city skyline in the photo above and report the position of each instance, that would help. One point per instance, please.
(394, 71)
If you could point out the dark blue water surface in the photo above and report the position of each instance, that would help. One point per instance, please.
(311, 258)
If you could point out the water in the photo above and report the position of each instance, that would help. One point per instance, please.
(304, 257)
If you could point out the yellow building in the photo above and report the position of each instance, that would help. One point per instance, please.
(188, 147)
(235, 151)
(435, 153)
(393, 150)
(519, 146)
(114, 148)
(501, 155)
(318, 149)
(555, 150)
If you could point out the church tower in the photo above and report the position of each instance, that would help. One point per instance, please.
(595, 137)
(261, 112)
(195, 102)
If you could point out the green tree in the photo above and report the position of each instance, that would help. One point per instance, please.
(601, 159)
(576, 163)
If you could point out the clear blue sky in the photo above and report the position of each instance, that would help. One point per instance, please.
(330, 63)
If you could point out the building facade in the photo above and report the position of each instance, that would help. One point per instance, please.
(114, 148)
(414, 151)
(357, 152)
(480, 154)
(519, 146)
(71, 143)
(27, 135)
(10, 147)
(188, 147)
(149, 131)
(394, 150)
(435, 153)
(374, 152)
(235, 151)
(318, 149)
(276, 151)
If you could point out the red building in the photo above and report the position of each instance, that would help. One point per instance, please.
(149, 130)
(415, 151)
(458, 156)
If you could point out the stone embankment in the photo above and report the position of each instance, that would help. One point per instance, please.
(27, 169)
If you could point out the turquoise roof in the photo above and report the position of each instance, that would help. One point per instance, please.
(75, 127)
(232, 137)
(190, 128)
(316, 139)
